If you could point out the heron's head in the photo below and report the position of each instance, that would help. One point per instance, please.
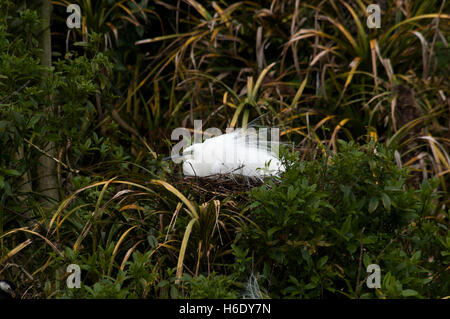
(194, 161)
(7, 290)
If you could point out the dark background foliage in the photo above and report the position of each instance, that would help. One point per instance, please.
(364, 114)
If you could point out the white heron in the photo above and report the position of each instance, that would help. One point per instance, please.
(241, 152)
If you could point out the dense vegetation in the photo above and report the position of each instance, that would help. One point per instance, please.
(86, 117)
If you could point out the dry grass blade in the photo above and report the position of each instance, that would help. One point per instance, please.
(26, 230)
(344, 31)
(354, 65)
(440, 155)
(393, 105)
(165, 37)
(261, 77)
(205, 14)
(424, 44)
(128, 254)
(322, 121)
(61, 222)
(131, 206)
(216, 225)
(173, 220)
(236, 114)
(299, 93)
(173, 190)
(362, 35)
(425, 16)
(321, 54)
(116, 248)
(395, 138)
(373, 44)
(15, 250)
(335, 131)
(307, 33)
(68, 200)
(184, 243)
(95, 215)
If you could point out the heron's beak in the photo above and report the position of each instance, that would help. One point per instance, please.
(173, 157)
(12, 293)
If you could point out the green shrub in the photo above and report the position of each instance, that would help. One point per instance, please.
(213, 286)
(327, 219)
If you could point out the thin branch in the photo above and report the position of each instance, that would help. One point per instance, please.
(76, 171)
(360, 263)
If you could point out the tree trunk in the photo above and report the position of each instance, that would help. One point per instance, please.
(25, 184)
(46, 171)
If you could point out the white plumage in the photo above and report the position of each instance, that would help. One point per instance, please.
(236, 153)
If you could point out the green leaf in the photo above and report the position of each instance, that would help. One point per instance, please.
(294, 280)
(163, 283)
(4, 124)
(352, 247)
(7, 188)
(53, 137)
(306, 256)
(153, 242)
(19, 119)
(373, 204)
(11, 172)
(366, 260)
(81, 44)
(386, 201)
(253, 205)
(34, 121)
(322, 261)
(311, 285)
(292, 193)
(346, 226)
(416, 255)
(271, 231)
(409, 293)
(371, 239)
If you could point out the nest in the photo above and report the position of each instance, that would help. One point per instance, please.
(218, 185)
